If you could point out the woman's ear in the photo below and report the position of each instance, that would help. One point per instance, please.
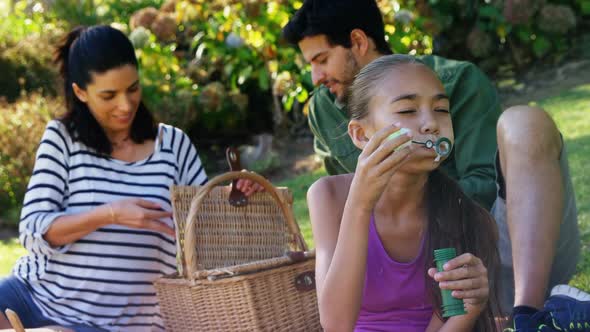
(80, 93)
(357, 133)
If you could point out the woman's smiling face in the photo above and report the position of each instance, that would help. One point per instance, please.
(113, 97)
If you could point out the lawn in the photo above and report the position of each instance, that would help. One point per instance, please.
(571, 111)
(10, 250)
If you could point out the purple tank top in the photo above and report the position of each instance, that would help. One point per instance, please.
(395, 297)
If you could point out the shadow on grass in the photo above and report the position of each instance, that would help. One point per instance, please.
(577, 94)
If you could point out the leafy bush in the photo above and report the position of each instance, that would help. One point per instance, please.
(234, 53)
(26, 43)
(21, 126)
(218, 68)
(514, 32)
(91, 12)
(230, 48)
(27, 67)
(215, 77)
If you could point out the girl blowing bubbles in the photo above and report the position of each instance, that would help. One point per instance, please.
(375, 230)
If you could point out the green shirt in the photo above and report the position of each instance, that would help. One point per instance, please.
(475, 109)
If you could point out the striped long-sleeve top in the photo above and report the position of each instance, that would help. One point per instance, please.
(105, 278)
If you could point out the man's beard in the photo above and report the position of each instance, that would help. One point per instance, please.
(351, 69)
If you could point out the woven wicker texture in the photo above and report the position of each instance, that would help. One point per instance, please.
(237, 276)
(228, 235)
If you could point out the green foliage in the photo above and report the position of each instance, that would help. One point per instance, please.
(91, 12)
(27, 19)
(235, 49)
(170, 94)
(26, 69)
(522, 30)
(407, 30)
(217, 76)
(21, 127)
(216, 67)
(26, 41)
(584, 6)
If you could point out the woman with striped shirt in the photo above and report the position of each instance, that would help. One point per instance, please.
(96, 218)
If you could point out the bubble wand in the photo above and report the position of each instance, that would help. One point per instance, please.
(441, 146)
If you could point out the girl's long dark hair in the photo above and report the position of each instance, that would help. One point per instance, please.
(82, 52)
(455, 220)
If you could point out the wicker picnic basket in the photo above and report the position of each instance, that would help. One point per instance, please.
(241, 268)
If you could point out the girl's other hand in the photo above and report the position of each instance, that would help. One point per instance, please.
(467, 277)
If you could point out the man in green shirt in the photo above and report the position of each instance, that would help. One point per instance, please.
(511, 162)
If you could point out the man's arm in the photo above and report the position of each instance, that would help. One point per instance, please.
(325, 119)
(475, 109)
(322, 150)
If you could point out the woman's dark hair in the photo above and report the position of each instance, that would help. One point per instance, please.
(336, 20)
(454, 219)
(82, 52)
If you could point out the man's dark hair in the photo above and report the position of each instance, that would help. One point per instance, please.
(97, 49)
(336, 19)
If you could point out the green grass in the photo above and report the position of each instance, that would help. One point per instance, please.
(10, 250)
(571, 111)
(299, 185)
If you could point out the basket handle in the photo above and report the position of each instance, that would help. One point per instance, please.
(14, 320)
(236, 197)
(190, 236)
